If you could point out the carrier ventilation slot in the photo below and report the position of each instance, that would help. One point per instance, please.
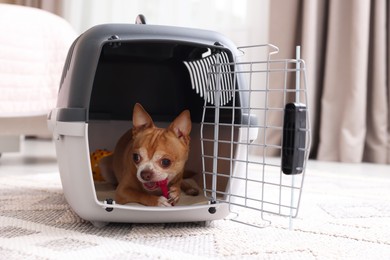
(211, 75)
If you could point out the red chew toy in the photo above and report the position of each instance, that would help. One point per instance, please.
(164, 187)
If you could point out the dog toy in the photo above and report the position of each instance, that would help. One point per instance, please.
(95, 158)
(164, 187)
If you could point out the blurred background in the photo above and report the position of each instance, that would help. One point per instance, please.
(345, 45)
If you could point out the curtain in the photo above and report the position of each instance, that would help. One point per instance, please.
(54, 6)
(346, 46)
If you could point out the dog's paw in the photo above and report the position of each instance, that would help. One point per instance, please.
(174, 195)
(189, 189)
(164, 202)
(192, 192)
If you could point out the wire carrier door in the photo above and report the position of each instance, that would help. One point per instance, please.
(255, 135)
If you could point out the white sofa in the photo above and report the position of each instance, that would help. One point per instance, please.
(33, 48)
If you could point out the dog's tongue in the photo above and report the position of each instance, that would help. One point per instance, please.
(163, 185)
(151, 185)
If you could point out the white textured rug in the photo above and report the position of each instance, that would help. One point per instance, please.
(342, 216)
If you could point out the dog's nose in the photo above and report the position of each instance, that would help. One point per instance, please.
(146, 175)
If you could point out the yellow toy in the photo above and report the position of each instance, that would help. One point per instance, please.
(95, 159)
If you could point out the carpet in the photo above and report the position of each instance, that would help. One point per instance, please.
(341, 217)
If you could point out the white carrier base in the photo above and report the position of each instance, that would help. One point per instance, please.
(73, 158)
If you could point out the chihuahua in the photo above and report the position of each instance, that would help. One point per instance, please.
(148, 162)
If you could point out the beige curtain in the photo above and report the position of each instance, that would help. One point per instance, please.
(346, 48)
(54, 6)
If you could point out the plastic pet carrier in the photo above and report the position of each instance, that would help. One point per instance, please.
(249, 138)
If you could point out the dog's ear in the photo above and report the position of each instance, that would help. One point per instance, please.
(181, 126)
(141, 119)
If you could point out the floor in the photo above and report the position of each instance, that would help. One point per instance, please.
(35, 156)
(344, 214)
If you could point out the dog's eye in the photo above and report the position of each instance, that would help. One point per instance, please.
(137, 158)
(165, 163)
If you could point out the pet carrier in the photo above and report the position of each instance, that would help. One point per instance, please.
(167, 69)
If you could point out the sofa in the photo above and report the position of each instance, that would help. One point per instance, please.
(34, 44)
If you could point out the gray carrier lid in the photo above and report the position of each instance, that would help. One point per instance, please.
(112, 66)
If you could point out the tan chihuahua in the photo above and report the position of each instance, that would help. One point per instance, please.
(148, 162)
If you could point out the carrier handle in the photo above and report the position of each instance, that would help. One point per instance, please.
(294, 138)
(140, 19)
(273, 48)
